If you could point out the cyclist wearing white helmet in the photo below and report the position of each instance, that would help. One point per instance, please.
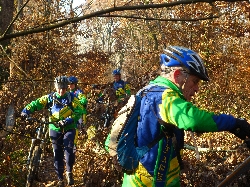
(65, 109)
(169, 100)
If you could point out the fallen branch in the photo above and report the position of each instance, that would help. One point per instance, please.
(201, 149)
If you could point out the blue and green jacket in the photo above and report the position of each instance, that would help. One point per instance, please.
(160, 167)
(122, 89)
(67, 107)
(82, 98)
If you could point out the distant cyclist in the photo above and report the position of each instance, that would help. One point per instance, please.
(117, 91)
(65, 109)
(122, 88)
(73, 87)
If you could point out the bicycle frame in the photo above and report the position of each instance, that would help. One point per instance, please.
(107, 115)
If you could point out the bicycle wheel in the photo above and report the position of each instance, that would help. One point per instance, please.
(46, 146)
(33, 166)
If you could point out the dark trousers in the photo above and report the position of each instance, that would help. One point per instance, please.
(63, 145)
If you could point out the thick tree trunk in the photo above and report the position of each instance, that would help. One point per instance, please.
(6, 15)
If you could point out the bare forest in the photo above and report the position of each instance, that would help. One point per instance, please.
(42, 39)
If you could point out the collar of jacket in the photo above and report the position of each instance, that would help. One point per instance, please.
(73, 90)
(161, 81)
(63, 96)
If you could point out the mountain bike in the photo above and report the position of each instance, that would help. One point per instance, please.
(107, 114)
(110, 106)
(104, 106)
(37, 149)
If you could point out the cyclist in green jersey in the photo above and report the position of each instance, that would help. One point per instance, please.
(169, 99)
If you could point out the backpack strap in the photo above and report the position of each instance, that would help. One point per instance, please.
(55, 100)
(170, 132)
(156, 140)
(69, 98)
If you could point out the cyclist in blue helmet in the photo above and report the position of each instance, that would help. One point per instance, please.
(116, 72)
(73, 80)
(65, 109)
(74, 88)
(121, 87)
(169, 99)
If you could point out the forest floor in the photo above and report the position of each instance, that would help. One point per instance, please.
(217, 158)
(92, 166)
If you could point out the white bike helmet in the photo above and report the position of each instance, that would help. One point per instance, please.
(61, 82)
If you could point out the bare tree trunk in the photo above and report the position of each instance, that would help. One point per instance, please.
(6, 15)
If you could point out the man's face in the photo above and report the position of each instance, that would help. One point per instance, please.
(190, 87)
(61, 91)
(71, 86)
(117, 77)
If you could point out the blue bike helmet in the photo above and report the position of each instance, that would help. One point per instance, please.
(73, 80)
(116, 72)
(175, 56)
(61, 82)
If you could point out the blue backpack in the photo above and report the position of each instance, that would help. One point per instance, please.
(121, 141)
(123, 132)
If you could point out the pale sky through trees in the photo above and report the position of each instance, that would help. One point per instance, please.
(78, 2)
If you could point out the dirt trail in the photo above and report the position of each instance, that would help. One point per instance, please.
(93, 166)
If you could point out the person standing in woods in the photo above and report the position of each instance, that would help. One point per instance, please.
(122, 88)
(65, 111)
(169, 100)
(73, 87)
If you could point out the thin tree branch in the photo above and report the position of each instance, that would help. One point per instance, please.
(106, 11)
(160, 19)
(14, 19)
(13, 61)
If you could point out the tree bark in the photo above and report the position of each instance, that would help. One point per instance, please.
(6, 15)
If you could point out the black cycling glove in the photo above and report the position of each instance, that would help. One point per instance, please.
(24, 116)
(241, 129)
